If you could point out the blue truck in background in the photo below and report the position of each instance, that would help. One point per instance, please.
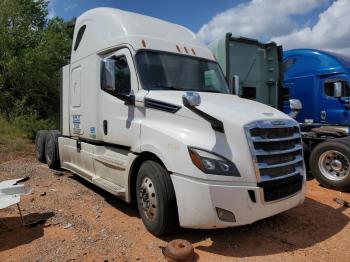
(310, 85)
(320, 80)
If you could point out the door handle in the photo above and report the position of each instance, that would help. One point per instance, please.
(105, 127)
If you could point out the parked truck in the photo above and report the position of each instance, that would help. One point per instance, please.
(146, 114)
(318, 79)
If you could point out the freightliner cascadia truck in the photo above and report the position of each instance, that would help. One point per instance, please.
(146, 114)
(318, 79)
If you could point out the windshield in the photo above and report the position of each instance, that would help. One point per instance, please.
(165, 71)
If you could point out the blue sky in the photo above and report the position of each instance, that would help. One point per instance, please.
(293, 23)
(192, 14)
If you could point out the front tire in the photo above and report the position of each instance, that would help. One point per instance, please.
(330, 164)
(156, 199)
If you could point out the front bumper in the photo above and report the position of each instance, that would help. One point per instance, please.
(197, 201)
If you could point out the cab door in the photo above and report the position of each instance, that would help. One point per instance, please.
(119, 120)
(334, 109)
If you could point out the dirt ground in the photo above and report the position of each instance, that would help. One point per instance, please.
(84, 223)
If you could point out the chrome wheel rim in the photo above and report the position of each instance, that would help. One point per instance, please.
(148, 198)
(334, 165)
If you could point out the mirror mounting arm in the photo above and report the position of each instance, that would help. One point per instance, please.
(128, 99)
(216, 124)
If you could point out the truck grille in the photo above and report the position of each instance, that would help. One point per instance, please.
(277, 153)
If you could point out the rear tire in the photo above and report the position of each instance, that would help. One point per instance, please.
(156, 199)
(51, 149)
(40, 140)
(330, 164)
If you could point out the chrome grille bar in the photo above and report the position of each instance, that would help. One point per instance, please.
(282, 141)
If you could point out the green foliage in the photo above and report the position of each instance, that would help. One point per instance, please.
(33, 50)
(28, 121)
(31, 123)
(13, 141)
(9, 131)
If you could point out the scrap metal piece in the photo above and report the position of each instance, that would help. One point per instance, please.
(342, 202)
(179, 250)
(11, 191)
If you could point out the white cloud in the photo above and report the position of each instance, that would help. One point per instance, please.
(258, 18)
(52, 12)
(331, 32)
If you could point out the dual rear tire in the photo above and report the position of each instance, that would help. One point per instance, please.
(46, 148)
(155, 193)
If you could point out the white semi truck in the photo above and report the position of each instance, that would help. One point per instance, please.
(147, 115)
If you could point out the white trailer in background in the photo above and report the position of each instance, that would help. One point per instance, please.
(146, 114)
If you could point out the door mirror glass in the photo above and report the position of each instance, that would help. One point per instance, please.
(337, 89)
(115, 76)
(236, 88)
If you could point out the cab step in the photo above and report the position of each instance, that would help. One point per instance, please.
(110, 187)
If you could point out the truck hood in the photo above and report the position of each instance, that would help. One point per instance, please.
(225, 107)
(174, 132)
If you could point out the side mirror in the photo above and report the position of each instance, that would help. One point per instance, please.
(295, 107)
(191, 99)
(110, 78)
(337, 89)
(236, 88)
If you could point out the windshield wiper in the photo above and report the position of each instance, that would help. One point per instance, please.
(209, 90)
(164, 87)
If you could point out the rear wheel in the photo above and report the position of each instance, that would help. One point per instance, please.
(40, 140)
(330, 164)
(51, 149)
(156, 199)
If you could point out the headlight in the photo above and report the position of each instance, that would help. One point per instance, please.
(211, 163)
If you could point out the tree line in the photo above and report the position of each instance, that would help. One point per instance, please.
(33, 49)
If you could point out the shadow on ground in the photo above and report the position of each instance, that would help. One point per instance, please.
(298, 228)
(121, 205)
(14, 234)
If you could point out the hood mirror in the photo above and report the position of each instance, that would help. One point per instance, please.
(191, 99)
(295, 107)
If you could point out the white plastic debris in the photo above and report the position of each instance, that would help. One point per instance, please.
(11, 191)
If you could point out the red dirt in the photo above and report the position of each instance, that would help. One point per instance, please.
(84, 223)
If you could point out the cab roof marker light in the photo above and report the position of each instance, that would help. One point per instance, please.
(194, 52)
(186, 50)
(178, 48)
(143, 42)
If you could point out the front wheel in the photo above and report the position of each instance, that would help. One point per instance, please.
(156, 199)
(330, 164)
